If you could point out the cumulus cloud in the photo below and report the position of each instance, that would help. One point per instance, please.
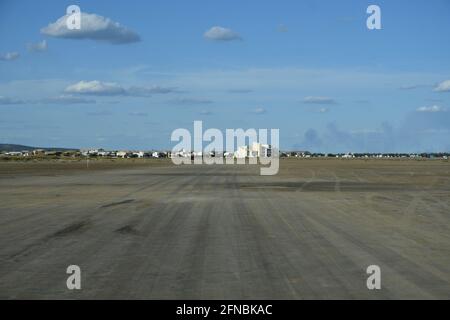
(418, 132)
(40, 46)
(96, 87)
(319, 100)
(434, 108)
(311, 140)
(426, 120)
(444, 86)
(334, 139)
(9, 56)
(221, 34)
(93, 27)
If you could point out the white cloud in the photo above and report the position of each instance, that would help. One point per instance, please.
(38, 47)
(221, 34)
(93, 27)
(432, 109)
(444, 86)
(319, 100)
(9, 56)
(96, 88)
(146, 91)
(259, 110)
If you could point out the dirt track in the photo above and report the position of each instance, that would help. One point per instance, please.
(222, 232)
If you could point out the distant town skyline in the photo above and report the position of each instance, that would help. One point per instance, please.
(139, 70)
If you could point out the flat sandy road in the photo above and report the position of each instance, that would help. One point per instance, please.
(224, 232)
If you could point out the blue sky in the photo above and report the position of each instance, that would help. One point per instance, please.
(310, 68)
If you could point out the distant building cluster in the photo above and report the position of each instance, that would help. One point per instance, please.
(255, 150)
(86, 153)
(123, 153)
(307, 154)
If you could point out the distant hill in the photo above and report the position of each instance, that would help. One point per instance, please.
(18, 147)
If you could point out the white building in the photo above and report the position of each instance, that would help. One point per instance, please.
(104, 153)
(261, 150)
(242, 152)
(182, 153)
(122, 154)
(139, 154)
(257, 150)
(91, 152)
(14, 153)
